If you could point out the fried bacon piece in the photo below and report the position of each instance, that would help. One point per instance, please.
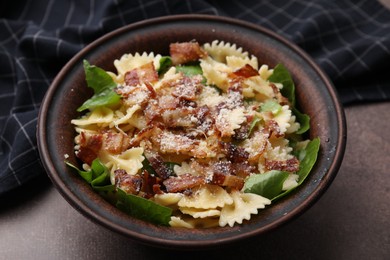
(90, 145)
(246, 71)
(185, 52)
(234, 99)
(273, 128)
(144, 134)
(180, 117)
(205, 121)
(241, 133)
(290, 165)
(168, 102)
(115, 142)
(243, 169)
(139, 94)
(150, 185)
(157, 163)
(131, 184)
(188, 88)
(143, 74)
(228, 180)
(183, 182)
(152, 111)
(223, 176)
(175, 143)
(234, 153)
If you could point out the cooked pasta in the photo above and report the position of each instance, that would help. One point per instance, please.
(189, 140)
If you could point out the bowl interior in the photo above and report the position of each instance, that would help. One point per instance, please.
(315, 96)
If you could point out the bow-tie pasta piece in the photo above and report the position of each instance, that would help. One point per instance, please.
(129, 62)
(200, 213)
(219, 50)
(100, 116)
(206, 197)
(244, 205)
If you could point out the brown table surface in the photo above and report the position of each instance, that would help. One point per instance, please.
(351, 221)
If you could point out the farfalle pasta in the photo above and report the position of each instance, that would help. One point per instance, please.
(188, 132)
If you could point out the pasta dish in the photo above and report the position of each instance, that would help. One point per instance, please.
(208, 133)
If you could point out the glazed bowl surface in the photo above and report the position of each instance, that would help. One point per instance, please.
(314, 93)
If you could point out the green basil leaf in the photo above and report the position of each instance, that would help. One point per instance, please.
(271, 106)
(99, 179)
(309, 159)
(267, 184)
(97, 168)
(146, 166)
(303, 119)
(165, 64)
(98, 176)
(282, 75)
(255, 121)
(100, 173)
(86, 175)
(103, 86)
(190, 69)
(107, 97)
(97, 78)
(143, 209)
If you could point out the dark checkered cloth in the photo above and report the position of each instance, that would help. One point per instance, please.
(349, 39)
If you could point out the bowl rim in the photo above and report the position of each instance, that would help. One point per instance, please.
(186, 244)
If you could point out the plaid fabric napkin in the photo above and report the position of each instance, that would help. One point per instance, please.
(349, 39)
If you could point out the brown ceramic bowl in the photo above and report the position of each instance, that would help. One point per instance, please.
(315, 96)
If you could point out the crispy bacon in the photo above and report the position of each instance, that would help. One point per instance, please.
(133, 95)
(205, 120)
(228, 174)
(234, 99)
(153, 93)
(152, 111)
(149, 185)
(115, 142)
(184, 52)
(157, 163)
(273, 128)
(228, 180)
(243, 169)
(174, 143)
(168, 102)
(183, 182)
(131, 184)
(90, 145)
(144, 74)
(246, 71)
(241, 133)
(179, 117)
(290, 165)
(234, 153)
(144, 134)
(188, 88)
(222, 167)
(157, 189)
